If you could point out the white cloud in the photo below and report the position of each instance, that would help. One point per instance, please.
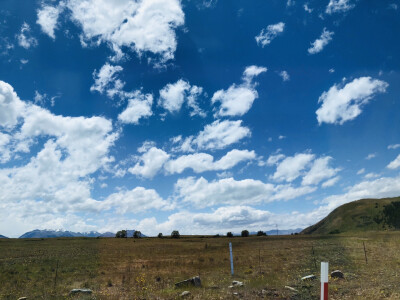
(343, 104)
(307, 9)
(361, 171)
(319, 171)
(395, 164)
(330, 182)
(371, 175)
(285, 75)
(268, 34)
(291, 167)
(136, 200)
(201, 162)
(173, 95)
(150, 163)
(142, 26)
(370, 156)
(319, 44)
(220, 134)
(48, 18)
(25, 39)
(105, 80)
(238, 99)
(274, 159)
(11, 107)
(394, 146)
(58, 177)
(338, 6)
(228, 191)
(138, 107)
(332, 70)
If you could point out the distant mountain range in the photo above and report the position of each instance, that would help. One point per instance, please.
(283, 231)
(3, 237)
(60, 233)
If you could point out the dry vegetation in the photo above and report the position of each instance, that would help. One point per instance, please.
(148, 268)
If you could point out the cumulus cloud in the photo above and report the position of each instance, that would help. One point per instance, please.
(291, 167)
(173, 95)
(58, 178)
(106, 81)
(25, 39)
(330, 182)
(319, 44)
(220, 134)
(228, 191)
(338, 6)
(341, 104)
(48, 18)
(319, 171)
(238, 99)
(268, 34)
(395, 164)
(201, 162)
(138, 107)
(150, 163)
(370, 156)
(142, 26)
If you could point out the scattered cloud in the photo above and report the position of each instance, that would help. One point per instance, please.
(268, 34)
(25, 39)
(319, 44)
(285, 75)
(218, 135)
(201, 162)
(138, 107)
(361, 171)
(48, 18)
(338, 6)
(291, 167)
(238, 99)
(341, 104)
(394, 146)
(145, 26)
(150, 163)
(320, 171)
(395, 164)
(307, 8)
(173, 95)
(330, 182)
(370, 156)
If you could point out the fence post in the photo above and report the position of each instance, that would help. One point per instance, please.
(230, 251)
(324, 280)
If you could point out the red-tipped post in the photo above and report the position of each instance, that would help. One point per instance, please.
(324, 280)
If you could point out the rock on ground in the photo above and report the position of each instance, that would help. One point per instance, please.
(185, 294)
(337, 274)
(195, 281)
(309, 277)
(80, 291)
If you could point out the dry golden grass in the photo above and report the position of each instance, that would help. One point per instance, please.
(148, 268)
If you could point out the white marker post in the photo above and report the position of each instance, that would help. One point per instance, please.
(324, 280)
(230, 251)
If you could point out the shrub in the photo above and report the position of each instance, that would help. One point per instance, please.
(160, 235)
(175, 234)
(229, 234)
(245, 233)
(261, 233)
(121, 234)
(137, 234)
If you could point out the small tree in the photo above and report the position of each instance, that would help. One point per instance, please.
(229, 234)
(175, 234)
(245, 233)
(137, 234)
(261, 233)
(121, 234)
(160, 235)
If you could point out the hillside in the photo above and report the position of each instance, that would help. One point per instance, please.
(361, 215)
(3, 237)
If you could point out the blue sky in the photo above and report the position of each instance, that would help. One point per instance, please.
(197, 116)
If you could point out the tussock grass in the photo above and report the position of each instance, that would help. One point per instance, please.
(147, 268)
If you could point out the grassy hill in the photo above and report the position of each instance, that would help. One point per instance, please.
(361, 215)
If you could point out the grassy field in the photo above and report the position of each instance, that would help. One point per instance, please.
(148, 268)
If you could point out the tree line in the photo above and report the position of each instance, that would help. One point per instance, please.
(176, 235)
